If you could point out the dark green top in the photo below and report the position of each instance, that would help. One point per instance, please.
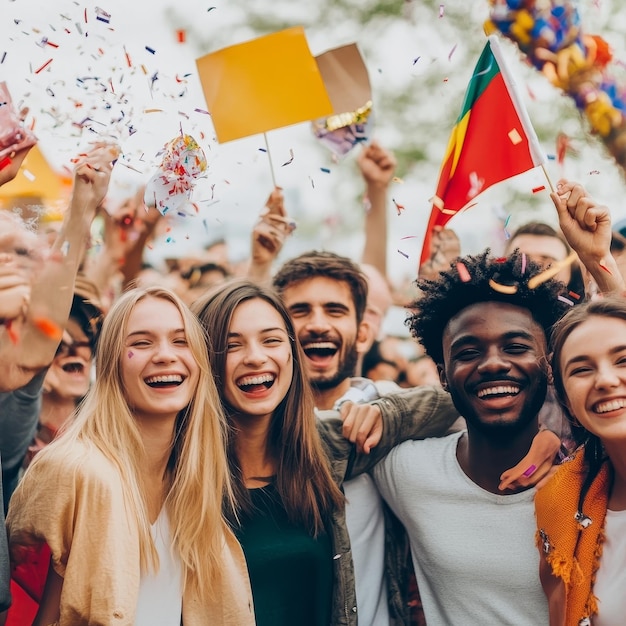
(291, 572)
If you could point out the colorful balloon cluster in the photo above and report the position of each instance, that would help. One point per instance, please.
(551, 35)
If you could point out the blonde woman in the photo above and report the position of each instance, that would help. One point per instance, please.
(129, 498)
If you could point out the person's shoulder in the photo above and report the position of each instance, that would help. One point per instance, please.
(417, 452)
(80, 463)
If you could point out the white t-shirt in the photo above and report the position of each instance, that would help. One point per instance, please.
(161, 594)
(473, 551)
(610, 585)
(366, 528)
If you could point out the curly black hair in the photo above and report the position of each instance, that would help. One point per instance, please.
(482, 278)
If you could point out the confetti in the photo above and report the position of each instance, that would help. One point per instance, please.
(404, 254)
(181, 36)
(416, 59)
(464, 274)
(48, 327)
(44, 66)
(397, 179)
(325, 170)
(5, 162)
(530, 471)
(452, 52)
(12, 332)
(4, 56)
(552, 271)
(574, 295)
(150, 50)
(441, 10)
(523, 263)
(399, 207)
(566, 300)
(290, 159)
(506, 289)
(592, 172)
(538, 189)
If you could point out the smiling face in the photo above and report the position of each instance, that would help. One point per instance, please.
(259, 360)
(495, 366)
(324, 316)
(69, 374)
(159, 372)
(593, 370)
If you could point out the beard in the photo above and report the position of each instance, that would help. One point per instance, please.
(345, 369)
(503, 429)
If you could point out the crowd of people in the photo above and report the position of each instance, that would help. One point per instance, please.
(220, 445)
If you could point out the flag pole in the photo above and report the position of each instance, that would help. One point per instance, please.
(269, 156)
(509, 80)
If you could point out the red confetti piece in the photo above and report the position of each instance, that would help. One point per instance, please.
(399, 207)
(464, 275)
(44, 66)
(48, 328)
(181, 36)
(52, 45)
(130, 64)
(606, 269)
(5, 162)
(538, 189)
(12, 332)
(574, 295)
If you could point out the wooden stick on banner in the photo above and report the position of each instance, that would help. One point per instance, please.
(269, 156)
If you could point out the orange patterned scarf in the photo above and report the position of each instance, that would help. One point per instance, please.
(571, 544)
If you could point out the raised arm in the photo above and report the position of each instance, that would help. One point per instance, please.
(377, 166)
(587, 228)
(28, 342)
(268, 237)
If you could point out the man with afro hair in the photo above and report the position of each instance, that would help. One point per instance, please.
(486, 323)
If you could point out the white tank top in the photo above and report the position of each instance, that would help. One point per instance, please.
(611, 577)
(160, 594)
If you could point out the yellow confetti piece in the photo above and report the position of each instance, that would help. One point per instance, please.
(551, 272)
(397, 179)
(515, 137)
(506, 289)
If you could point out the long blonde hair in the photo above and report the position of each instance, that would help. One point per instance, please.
(198, 481)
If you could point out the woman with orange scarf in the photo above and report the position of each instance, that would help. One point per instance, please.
(581, 512)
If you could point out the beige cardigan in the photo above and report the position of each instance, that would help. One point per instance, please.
(75, 503)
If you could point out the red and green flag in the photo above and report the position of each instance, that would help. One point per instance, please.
(491, 141)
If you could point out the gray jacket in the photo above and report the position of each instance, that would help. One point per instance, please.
(411, 414)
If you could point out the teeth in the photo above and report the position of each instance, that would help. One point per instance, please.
(320, 345)
(256, 380)
(499, 390)
(612, 405)
(171, 378)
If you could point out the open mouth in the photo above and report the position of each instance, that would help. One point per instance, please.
(609, 405)
(250, 384)
(163, 382)
(498, 391)
(320, 350)
(73, 367)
